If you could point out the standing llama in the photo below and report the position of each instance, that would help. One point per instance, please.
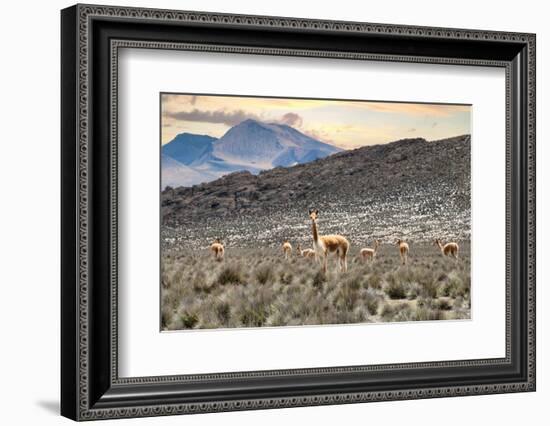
(217, 249)
(403, 251)
(449, 249)
(287, 249)
(325, 244)
(368, 253)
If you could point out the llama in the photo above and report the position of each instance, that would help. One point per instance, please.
(449, 249)
(217, 250)
(368, 253)
(325, 244)
(403, 251)
(307, 253)
(287, 249)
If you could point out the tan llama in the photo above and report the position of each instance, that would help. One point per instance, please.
(403, 251)
(368, 253)
(449, 249)
(217, 249)
(287, 249)
(325, 244)
(307, 253)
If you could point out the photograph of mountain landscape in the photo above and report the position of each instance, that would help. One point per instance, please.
(297, 211)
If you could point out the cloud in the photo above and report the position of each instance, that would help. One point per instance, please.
(171, 100)
(412, 109)
(412, 129)
(434, 124)
(220, 116)
(230, 118)
(319, 135)
(291, 119)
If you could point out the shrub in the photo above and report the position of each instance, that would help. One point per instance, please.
(404, 313)
(457, 304)
(254, 316)
(318, 279)
(427, 314)
(389, 312)
(189, 320)
(200, 283)
(223, 311)
(414, 291)
(230, 275)
(374, 280)
(264, 274)
(425, 302)
(166, 317)
(286, 277)
(429, 289)
(372, 303)
(444, 305)
(354, 283)
(346, 298)
(396, 290)
(456, 286)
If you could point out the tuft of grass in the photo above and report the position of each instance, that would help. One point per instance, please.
(264, 274)
(201, 284)
(223, 311)
(230, 275)
(374, 281)
(189, 320)
(427, 314)
(354, 283)
(444, 305)
(429, 289)
(286, 277)
(318, 279)
(346, 298)
(414, 291)
(254, 315)
(390, 312)
(372, 302)
(165, 318)
(396, 290)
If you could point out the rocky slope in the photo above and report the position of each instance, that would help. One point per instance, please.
(410, 189)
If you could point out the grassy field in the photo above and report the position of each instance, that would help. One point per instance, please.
(259, 288)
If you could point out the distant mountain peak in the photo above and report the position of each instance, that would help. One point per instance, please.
(186, 135)
(249, 121)
(250, 146)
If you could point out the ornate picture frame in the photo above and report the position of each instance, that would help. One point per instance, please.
(91, 38)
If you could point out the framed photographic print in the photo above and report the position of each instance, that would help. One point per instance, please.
(263, 212)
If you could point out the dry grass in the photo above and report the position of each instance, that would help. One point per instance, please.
(257, 288)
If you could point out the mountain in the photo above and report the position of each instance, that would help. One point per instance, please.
(410, 188)
(250, 145)
(187, 147)
(268, 145)
(175, 173)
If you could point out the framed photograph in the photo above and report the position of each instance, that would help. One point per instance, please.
(263, 212)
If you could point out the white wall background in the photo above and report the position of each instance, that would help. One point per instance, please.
(29, 214)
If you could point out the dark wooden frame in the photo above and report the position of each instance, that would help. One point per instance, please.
(91, 37)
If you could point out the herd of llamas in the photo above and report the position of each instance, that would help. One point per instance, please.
(338, 244)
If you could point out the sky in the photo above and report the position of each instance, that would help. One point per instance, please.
(347, 124)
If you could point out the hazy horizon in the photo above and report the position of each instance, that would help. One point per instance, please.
(341, 123)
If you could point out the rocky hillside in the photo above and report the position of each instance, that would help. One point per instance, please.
(411, 188)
